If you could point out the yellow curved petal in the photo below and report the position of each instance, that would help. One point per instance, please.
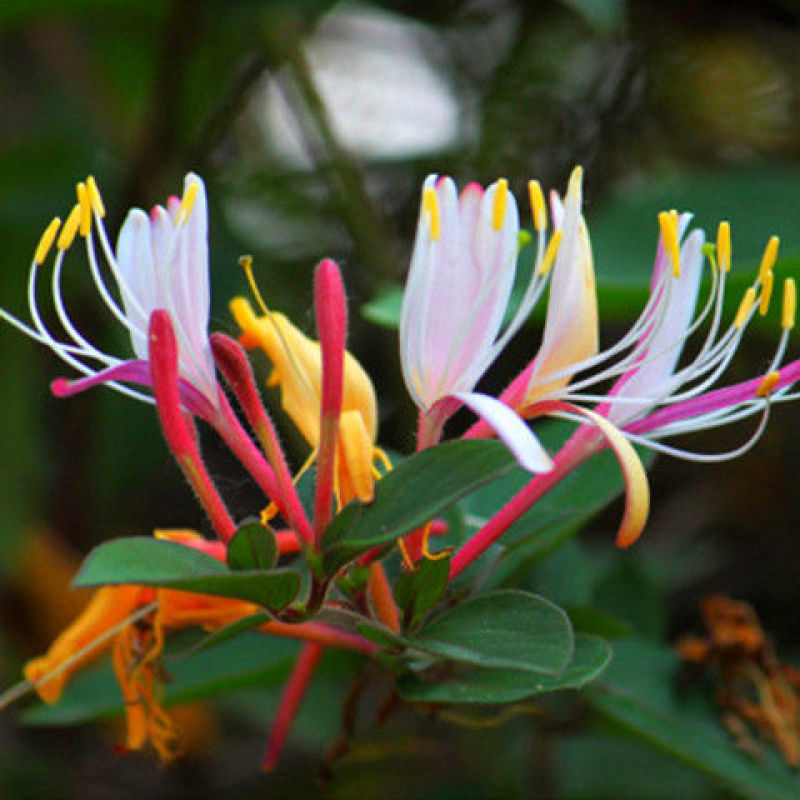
(297, 370)
(109, 607)
(574, 316)
(354, 459)
(637, 488)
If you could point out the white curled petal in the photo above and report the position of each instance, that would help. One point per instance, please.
(511, 430)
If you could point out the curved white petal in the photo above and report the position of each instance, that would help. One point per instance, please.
(511, 430)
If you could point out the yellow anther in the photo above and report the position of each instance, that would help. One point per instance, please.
(724, 246)
(745, 306)
(500, 204)
(94, 197)
(667, 222)
(789, 304)
(70, 228)
(766, 293)
(550, 253)
(430, 205)
(46, 242)
(86, 209)
(769, 258)
(768, 384)
(537, 205)
(187, 204)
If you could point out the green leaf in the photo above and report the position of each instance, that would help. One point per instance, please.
(590, 620)
(218, 637)
(418, 591)
(253, 546)
(384, 308)
(417, 489)
(380, 635)
(506, 628)
(481, 685)
(636, 694)
(143, 561)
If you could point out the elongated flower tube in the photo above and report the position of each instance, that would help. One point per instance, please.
(459, 284)
(160, 262)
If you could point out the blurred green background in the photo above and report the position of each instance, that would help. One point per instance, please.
(313, 125)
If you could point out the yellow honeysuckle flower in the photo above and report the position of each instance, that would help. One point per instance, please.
(297, 371)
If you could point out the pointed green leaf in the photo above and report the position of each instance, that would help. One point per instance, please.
(482, 685)
(253, 546)
(144, 561)
(417, 592)
(507, 628)
(417, 489)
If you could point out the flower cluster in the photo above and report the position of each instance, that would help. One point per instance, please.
(459, 312)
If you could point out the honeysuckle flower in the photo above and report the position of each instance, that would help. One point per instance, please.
(160, 262)
(297, 372)
(459, 285)
(132, 622)
(653, 396)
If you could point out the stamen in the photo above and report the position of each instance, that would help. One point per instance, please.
(669, 235)
(537, 205)
(67, 236)
(500, 204)
(767, 385)
(748, 301)
(430, 205)
(769, 258)
(724, 246)
(709, 250)
(46, 242)
(551, 252)
(95, 198)
(789, 304)
(86, 209)
(187, 204)
(767, 280)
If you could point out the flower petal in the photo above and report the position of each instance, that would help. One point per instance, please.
(510, 429)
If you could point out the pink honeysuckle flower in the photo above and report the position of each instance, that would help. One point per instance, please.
(459, 286)
(653, 396)
(161, 262)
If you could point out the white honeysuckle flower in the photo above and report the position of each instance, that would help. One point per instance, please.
(161, 262)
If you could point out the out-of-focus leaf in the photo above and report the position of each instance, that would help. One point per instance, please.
(384, 308)
(480, 685)
(757, 200)
(589, 620)
(415, 491)
(506, 628)
(636, 694)
(143, 561)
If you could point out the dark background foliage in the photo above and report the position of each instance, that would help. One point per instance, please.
(313, 124)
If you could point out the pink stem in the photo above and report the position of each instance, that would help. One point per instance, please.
(574, 452)
(233, 363)
(331, 313)
(290, 702)
(179, 435)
